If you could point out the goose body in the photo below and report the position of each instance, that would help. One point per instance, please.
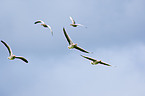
(95, 62)
(74, 23)
(44, 25)
(11, 55)
(71, 44)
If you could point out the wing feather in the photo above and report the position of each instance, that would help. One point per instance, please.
(73, 22)
(79, 24)
(81, 49)
(104, 63)
(9, 49)
(50, 29)
(88, 58)
(22, 58)
(67, 37)
(39, 21)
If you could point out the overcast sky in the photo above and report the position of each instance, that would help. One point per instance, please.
(115, 34)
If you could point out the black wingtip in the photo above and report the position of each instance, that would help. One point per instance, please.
(2, 41)
(34, 22)
(63, 29)
(25, 61)
(82, 55)
(87, 52)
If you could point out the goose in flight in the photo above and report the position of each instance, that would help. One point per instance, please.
(11, 55)
(95, 62)
(74, 23)
(44, 25)
(71, 44)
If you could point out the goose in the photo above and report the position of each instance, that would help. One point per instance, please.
(74, 23)
(11, 55)
(44, 25)
(95, 62)
(71, 44)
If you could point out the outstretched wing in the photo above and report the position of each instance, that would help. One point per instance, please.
(9, 49)
(39, 21)
(79, 24)
(50, 29)
(88, 58)
(22, 58)
(104, 63)
(67, 37)
(76, 47)
(73, 22)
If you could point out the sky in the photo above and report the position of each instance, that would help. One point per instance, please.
(115, 34)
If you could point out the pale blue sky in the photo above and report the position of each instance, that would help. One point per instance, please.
(115, 34)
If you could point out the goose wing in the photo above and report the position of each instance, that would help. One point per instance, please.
(67, 37)
(88, 58)
(104, 63)
(39, 21)
(79, 24)
(9, 49)
(73, 22)
(22, 58)
(76, 47)
(50, 29)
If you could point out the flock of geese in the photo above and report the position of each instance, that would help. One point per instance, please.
(71, 44)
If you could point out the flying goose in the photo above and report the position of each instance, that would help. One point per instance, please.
(95, 62)
(71, 44)
(44, 25)
(11, 55)
(74, 23)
